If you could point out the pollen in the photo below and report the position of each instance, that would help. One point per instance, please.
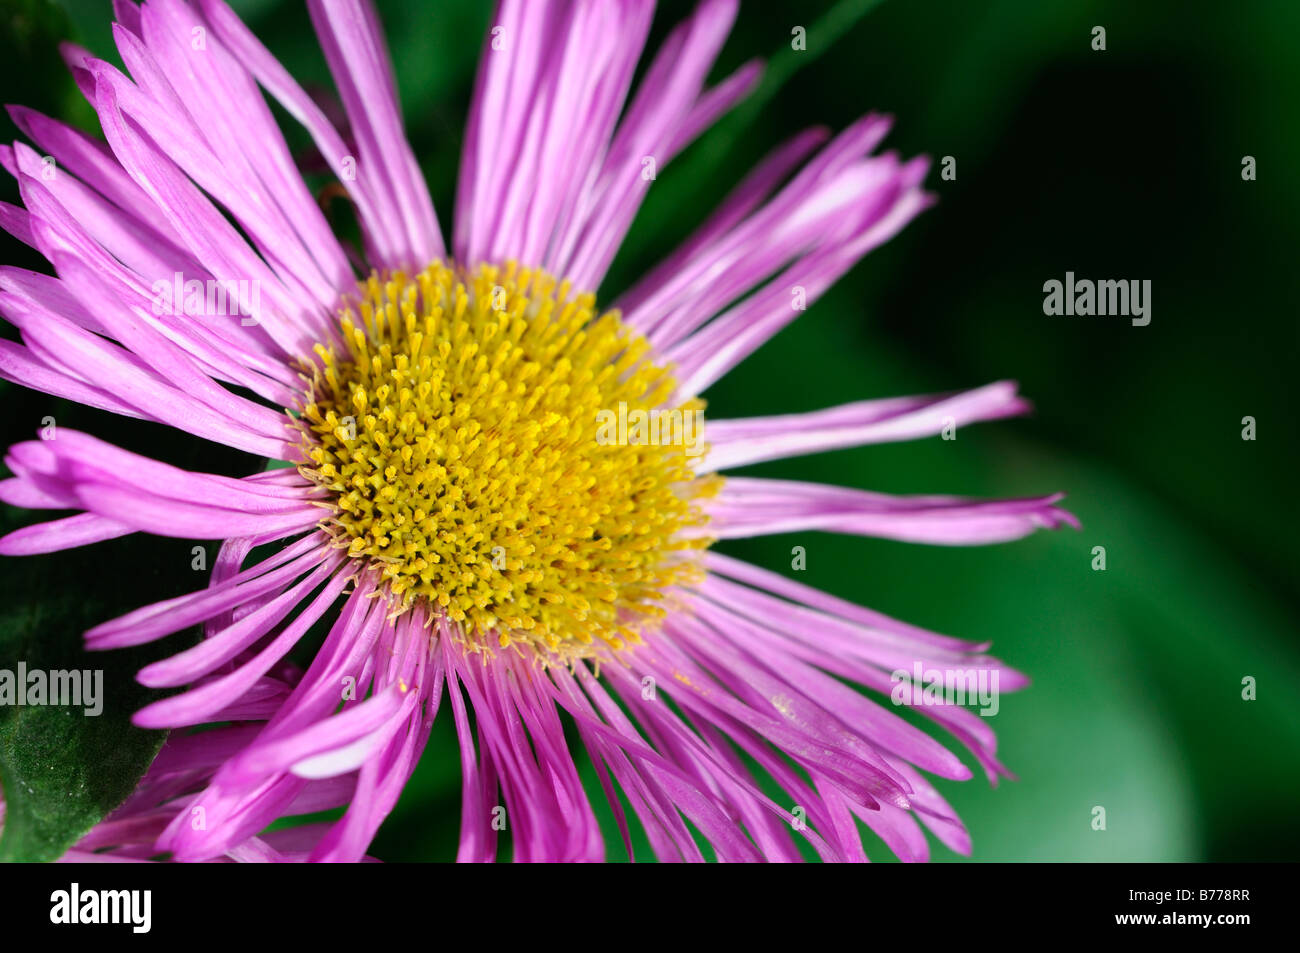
(472, 429)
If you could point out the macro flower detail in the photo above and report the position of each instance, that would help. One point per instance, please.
(466, 515)
(457, 437)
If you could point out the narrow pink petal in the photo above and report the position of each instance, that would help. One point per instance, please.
(739, 443)
(709, 353)
(162, 104)
(661, 105)
(758, 507)
(16, 222)
(738, 204)
(762, 637)
(67, 533)
(21, 365)
(211, 697)
(208, 235)
(93, 163)
(353, 41)
(131, 327)
(714, 103)
(74, 457)
(830, 197)
(165, 517)
(382, 227)
(222, 595)
(217, 85)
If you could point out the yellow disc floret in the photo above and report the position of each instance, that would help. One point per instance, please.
(498, 451)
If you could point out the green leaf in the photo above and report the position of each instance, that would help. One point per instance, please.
(63, 770)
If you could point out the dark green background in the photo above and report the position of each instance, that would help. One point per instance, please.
(1117, 164)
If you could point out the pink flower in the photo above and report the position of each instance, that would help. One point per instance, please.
(500, 496)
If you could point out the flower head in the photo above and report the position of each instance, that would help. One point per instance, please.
(456, 435)
(500, 496)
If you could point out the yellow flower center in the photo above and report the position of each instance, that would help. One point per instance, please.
(496, 449)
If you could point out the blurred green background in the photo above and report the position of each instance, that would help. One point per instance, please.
(1123, 163)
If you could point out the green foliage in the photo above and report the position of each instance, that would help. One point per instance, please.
(62, 769)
